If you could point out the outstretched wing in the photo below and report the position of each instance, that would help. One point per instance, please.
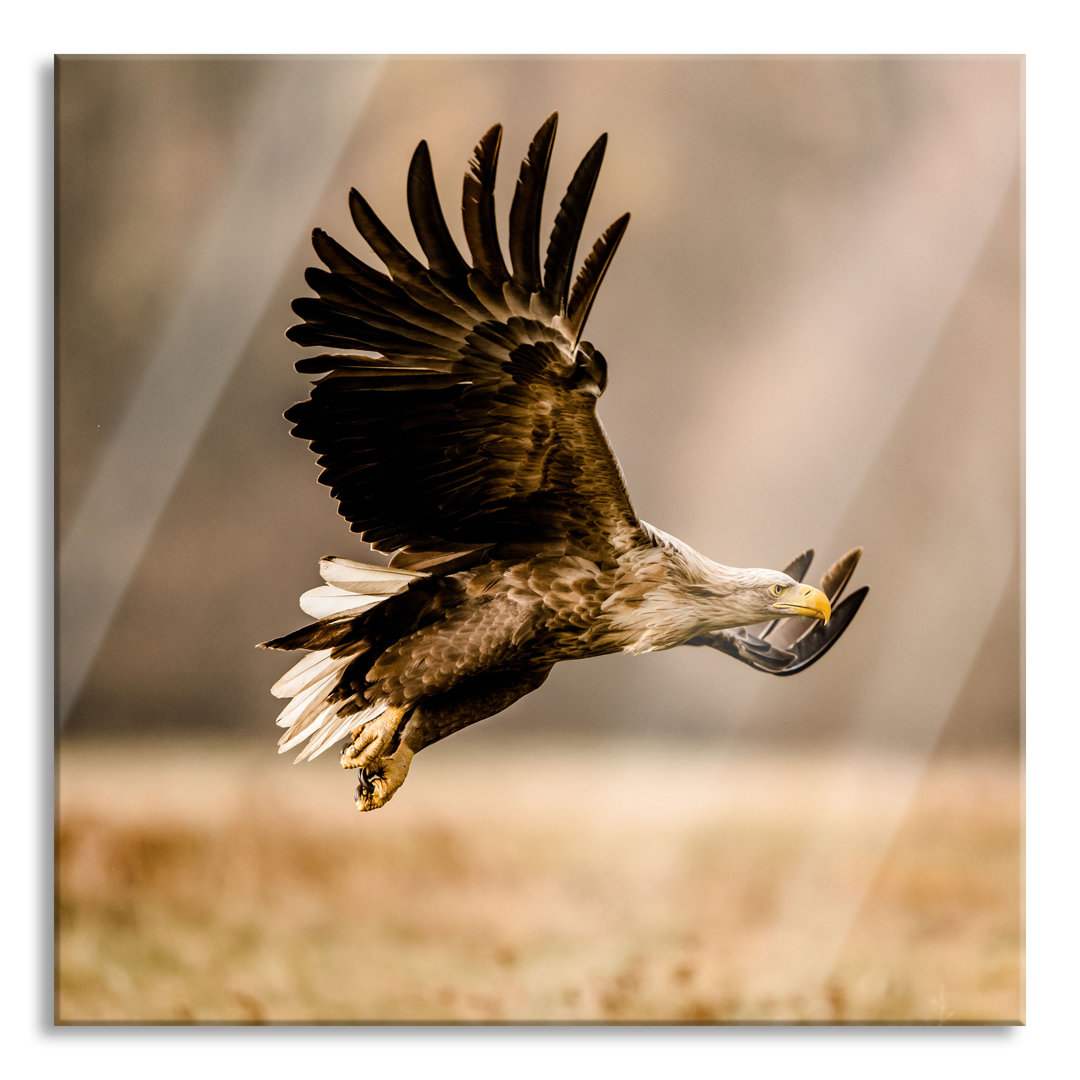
(786, 646)
(472, 431)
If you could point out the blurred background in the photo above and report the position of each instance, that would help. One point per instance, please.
(814, 330)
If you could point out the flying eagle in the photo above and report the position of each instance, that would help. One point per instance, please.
(466, 442)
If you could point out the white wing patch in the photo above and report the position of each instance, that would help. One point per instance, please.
(328, 601)
(351, 588)
(309, 715)
(359, 577)
(300, 675)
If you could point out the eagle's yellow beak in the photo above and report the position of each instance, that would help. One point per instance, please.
(805, 600)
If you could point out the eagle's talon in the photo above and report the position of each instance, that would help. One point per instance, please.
(376, 785)
(369, 741)
(364, 785)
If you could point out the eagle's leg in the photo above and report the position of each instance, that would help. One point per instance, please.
(369, 741)
(379, 781)
(406, 731)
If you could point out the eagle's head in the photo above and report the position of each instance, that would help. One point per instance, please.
(780, 595)
(742, 597)
(696, 595)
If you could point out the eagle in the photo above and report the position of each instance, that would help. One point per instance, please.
(455, 423)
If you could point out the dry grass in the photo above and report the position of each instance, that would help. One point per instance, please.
(220, 884)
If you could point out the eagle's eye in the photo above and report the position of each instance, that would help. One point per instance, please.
(777, 589)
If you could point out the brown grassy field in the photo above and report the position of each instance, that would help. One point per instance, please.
(208, 882)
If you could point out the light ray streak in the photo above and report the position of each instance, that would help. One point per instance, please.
(917, 671)
(297, 129)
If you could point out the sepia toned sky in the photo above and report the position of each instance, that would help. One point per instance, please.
(813, 330)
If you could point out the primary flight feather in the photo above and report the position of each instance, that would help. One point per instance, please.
(458, 431)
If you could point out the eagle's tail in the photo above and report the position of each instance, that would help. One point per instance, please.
(325, 707)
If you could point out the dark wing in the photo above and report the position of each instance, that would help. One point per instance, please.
(786, 646)
(472, 431)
